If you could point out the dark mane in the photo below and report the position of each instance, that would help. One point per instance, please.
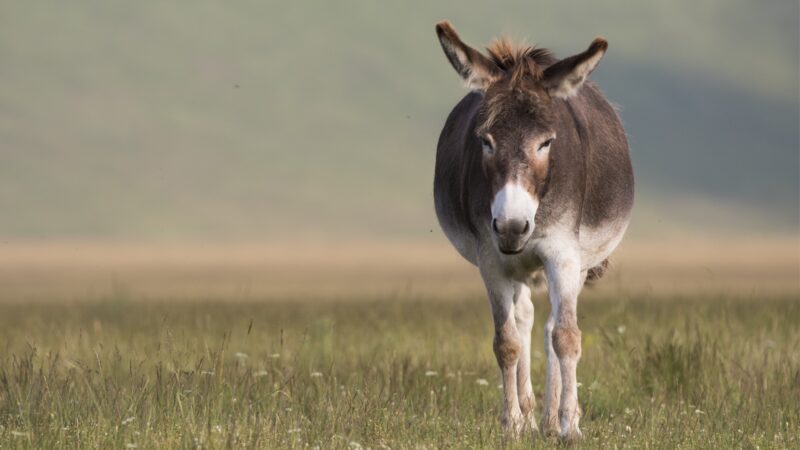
(508, 54)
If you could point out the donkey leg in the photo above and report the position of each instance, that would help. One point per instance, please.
(565, 282)
(552, 392)
(507, 348)
(523, 312)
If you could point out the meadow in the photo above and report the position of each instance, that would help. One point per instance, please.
(679, 372)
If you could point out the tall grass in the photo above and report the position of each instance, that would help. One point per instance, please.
(688, 373)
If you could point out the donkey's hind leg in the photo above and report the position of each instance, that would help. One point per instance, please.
(552, 389)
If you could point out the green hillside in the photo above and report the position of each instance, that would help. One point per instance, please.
(272, 119)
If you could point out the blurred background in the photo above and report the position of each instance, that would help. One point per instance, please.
(260, 149)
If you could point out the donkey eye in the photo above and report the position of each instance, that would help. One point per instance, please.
(545, 144)
(487, 145)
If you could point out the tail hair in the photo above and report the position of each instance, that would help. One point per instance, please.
(595, 273)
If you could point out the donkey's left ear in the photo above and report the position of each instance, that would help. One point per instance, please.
(564, 78)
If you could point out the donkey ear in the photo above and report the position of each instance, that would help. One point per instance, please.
(477, 71)
(564, 78)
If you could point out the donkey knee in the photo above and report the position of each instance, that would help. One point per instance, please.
(507, 349)
(567, 342)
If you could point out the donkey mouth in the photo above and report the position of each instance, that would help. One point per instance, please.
(515, 249)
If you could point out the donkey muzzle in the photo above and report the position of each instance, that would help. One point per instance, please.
(511, 234)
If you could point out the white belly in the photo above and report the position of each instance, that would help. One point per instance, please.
(597, 243)
(464, 242)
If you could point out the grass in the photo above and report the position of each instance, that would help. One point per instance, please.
(684, 373)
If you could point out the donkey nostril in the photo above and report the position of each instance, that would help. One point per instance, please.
(494, 226)
(527, 226)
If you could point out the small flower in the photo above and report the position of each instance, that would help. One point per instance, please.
(431, 373)
(481, 382)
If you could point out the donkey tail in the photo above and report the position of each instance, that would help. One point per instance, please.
(595, 273)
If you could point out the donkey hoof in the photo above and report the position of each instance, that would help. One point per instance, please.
(513, 425)
(550, 426)
(572, 436)
(531, 425)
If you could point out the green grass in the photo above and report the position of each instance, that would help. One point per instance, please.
(685, 373)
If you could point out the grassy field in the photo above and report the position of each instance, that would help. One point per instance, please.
(683, 372)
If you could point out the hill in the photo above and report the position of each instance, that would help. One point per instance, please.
(197, 119)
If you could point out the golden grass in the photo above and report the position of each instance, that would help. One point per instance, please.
(36, 271)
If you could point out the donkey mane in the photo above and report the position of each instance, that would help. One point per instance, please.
(510, 55)
(522, 65)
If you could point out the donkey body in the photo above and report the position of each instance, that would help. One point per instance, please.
(532, 175)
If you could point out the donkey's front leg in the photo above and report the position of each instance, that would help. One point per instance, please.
(523, 312)
(565, 280)
(507, 346)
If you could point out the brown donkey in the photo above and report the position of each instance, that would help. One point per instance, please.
(532, 174)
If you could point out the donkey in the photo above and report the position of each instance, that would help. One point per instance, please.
(532, 176)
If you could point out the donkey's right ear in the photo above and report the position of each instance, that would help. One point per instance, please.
(477, 71)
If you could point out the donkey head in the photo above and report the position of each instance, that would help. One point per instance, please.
(516, 122)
